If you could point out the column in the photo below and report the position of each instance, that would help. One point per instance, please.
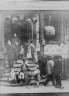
(62, 30)
(41, 31)
(37, 33)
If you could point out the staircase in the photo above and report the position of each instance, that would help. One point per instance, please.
(16, 67)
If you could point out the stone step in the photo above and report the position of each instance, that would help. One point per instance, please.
(20, 61)
(18, 69)
(19, 65)
(5, 79)
(8, 84)
(6, 75)
(7, 70)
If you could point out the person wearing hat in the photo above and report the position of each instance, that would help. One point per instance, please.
(58, 71)
(50, 72)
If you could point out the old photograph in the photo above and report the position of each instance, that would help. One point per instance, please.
(34, 47)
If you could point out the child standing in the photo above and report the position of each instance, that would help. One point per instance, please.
(36, 74)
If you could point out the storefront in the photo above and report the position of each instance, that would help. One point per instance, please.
(46, 25)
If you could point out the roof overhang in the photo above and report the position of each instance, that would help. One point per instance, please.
(34, 5)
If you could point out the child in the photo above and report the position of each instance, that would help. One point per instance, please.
(36, 74)
(21, 51)
(12, 77)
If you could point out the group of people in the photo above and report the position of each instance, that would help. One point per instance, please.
(24, 75)
(53, 71)
(51, 74)
(15, 52)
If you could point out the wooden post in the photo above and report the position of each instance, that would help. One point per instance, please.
(62, 30)
(37, 33)
(41, 31)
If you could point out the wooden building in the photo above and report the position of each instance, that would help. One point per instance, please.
(41, 14)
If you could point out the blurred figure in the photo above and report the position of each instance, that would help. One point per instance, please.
(11, 54)
(58, 71)
(15, 39)
(32, 48)
(21, 53)
(50, 72)
(25, 69)
(36, 74)
(12, 77)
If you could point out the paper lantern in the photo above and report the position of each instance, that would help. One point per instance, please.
(49, 30)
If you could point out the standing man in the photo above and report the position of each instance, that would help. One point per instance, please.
(50, 72)
(11, 54)
(32, 47)
(58, 71)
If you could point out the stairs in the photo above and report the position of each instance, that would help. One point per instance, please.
(16, 67)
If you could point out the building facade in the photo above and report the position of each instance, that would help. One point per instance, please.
(30, 19)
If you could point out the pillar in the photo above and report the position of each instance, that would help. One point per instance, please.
(2, 47)
(41, 32)
(62, 30)
(37, 33)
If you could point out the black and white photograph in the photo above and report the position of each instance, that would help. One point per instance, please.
(34, 47)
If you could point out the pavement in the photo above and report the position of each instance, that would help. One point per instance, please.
(41, 89)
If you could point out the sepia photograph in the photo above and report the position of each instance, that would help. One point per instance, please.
(34, 47)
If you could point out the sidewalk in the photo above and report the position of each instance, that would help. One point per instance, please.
(40, 89)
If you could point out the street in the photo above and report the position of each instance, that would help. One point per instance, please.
(40, 89)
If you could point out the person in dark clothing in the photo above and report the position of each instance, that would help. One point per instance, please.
(57, 72)
(50, 72)
(25, 69)
(11, 54)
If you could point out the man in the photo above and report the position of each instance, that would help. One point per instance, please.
(32, 47)
(50, 72)
(25, 69)
(11, 54)
(58, 71)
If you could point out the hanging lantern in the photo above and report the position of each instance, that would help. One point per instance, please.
(49, 30)
(14, 19)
